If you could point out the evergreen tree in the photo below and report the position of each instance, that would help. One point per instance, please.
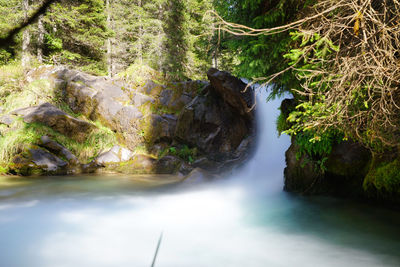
(26, 36)
(11, 14)
(262, 55)
(76, 33)
(138, 33)
(176, 43)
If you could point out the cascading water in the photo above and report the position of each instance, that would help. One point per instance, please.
(243, 220)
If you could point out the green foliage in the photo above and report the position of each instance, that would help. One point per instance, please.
(261, 56)
(5, 57)
(384, 179)
(317, 145)
(176, 44)
(184, 152)
(138, 74)
(282, 123)
(15, 142)
(187, 153)
(26, 135)
(76, 33)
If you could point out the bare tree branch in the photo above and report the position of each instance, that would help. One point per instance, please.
(356, 87)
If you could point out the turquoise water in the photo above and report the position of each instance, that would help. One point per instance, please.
(242, 220)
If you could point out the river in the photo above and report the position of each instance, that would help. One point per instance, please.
(244, 220)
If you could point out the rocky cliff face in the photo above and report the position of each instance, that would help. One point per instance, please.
(160, 128)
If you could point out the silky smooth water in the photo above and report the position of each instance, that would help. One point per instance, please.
(242, 220)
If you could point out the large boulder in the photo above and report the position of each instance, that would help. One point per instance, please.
(343, 172)
(233, 90)
(212, 126)
(56, 119)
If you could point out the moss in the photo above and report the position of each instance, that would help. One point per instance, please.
(137, 75)
(4, 170)
(383, 179)
(149, 130)
(282, 123)
(140, 164)
(24, 135)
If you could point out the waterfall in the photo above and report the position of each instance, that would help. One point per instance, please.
(265, 168)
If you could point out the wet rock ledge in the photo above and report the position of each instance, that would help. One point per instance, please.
(159, 128)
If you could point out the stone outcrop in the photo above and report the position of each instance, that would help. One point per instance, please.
(198, 123)
(58, 149)
(233, 90)
(56, 119)
(343, 172)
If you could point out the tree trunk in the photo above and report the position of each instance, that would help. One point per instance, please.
(140, 45)
(26, 37)
(160, 35)
(110, 67)
(40, 39)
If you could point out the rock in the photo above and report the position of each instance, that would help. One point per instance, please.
(185, 168)
(244, 148)
(58, 149)
(346, 168)
(301, 174)
(57, 119)
(138, 164)
(212, 126)
(348, 159)
(141, 99)
(114, 155)
(168, 165)
(46, 161)
(160, 127)
(7, 120)
(233, 90)
(206, 164)
(344, 171)
(91, 167)
(197, 176)
(23, 111)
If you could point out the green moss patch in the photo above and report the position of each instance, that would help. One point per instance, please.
(23, 135)
(384, 179)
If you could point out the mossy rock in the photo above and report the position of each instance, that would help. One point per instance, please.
(139, 164)
(168, 165)
(383, 181)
